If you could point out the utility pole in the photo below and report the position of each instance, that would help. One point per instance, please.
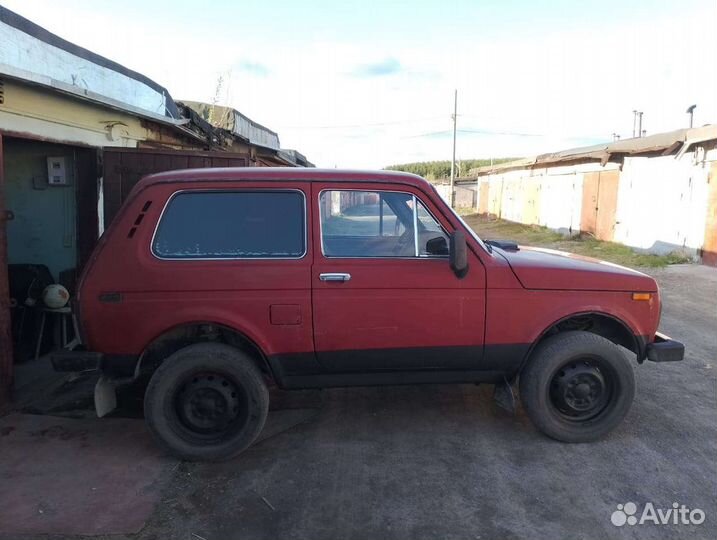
(634, 122)
(453, 161)
(639, 124)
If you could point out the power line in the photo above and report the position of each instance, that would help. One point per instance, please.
(506, 133)
(377, 124)
(443, 132)
(511, 133)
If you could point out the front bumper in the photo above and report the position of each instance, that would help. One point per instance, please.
(664, 349)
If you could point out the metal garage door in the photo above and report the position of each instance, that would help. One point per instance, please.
(6, 359)
(709, 248)
(600, 204)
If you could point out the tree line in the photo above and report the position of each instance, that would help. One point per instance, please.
(434, 170)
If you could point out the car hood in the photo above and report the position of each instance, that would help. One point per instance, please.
(540, 268)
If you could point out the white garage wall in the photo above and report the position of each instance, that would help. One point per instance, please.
(559, 195)
(561, 202)
(662, 203)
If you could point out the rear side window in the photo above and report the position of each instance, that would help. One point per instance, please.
(232, 225)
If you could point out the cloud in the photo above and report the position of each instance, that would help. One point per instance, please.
(389, 66)
(254, 68)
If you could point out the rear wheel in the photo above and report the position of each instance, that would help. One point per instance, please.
(207, 401)
(577, 386)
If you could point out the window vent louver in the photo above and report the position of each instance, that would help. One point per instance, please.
(139, 219)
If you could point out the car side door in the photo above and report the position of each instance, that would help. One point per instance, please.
(384, 296)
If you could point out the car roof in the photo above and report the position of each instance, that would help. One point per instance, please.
(280, 174)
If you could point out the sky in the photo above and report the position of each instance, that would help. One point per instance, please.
(368, 84)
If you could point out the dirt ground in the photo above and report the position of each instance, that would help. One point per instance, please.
(442, 461)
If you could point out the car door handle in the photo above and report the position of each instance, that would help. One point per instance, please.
(334, 276)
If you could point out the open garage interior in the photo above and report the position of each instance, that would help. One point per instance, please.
(51, 226)
(58, 199)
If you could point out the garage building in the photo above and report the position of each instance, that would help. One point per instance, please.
(77, 131)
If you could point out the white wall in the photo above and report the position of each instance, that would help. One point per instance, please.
(662, 203)
(21, 51)
(558, 190)
(444, 190)
(661, 207)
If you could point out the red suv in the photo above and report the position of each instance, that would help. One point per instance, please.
(216, 283)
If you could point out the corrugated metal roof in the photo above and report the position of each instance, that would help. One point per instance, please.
(41, 57)
(295, 157)
(239, 124)
(671, 142)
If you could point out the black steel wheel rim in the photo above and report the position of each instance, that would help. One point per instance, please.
(211, 405)
(581, 389)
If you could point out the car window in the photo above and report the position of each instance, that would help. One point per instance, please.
(429, 230)
(378, 224)
(232, 225)
(426, 219)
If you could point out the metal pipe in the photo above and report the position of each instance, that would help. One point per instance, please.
(639, 124)
(634, 121)
(691, 111)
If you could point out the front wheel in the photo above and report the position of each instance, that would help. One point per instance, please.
(206, 402)
(577, 387)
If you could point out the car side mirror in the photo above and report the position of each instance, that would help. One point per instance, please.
(458, 254)
(437, 246)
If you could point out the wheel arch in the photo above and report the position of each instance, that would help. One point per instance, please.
(182, 335)
(601, 323)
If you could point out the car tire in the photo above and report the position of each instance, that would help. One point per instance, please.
(206, 402)
(577, 386)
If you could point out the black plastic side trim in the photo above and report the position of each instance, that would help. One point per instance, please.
(75, 361)
(327, 380)
(398, 359)
(292, 364)
(412, 365)
(116, 366)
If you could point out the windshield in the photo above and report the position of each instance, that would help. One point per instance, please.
(472, 232)
(466, 226)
